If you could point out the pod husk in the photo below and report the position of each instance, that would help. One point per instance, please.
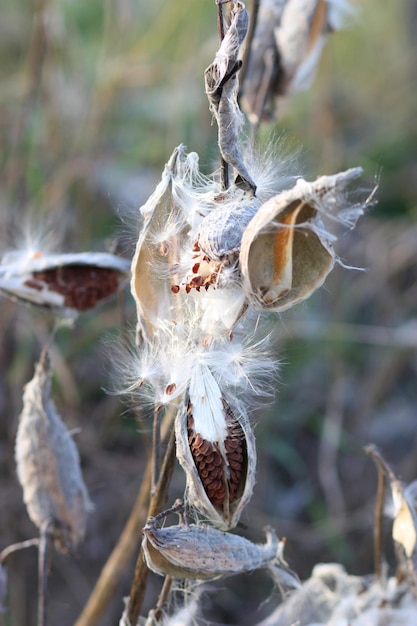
(153, 260)
(203, 552)
(227, 514)
(48, 465)
(72, 282)
(286, 253)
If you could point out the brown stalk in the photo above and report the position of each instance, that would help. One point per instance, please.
(116, 564)
(44, 555)
(14, 547)
(383, 470)
(157, 503)
(224, 166)
(163, 599)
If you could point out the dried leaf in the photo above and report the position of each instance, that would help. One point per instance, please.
(48, 464)
(219, 461)
(286, 253)
(222, 87)
(72, 282)
(203, 552)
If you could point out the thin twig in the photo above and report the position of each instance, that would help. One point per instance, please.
(156, 447)
(156, 613)
(383, 469)
(14, 547)
(137, 592)
(127, 544)
(224, 166)
(45, 544)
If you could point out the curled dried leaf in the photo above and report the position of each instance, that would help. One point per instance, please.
(72, 282)
(286, 253)
(48, 465)
(203, 552)
(219, 460)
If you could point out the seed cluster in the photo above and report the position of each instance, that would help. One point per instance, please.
(221, 474)
(82, 286)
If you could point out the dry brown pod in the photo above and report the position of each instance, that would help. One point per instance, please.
(48, 465)
(203, 552)
(286, 253)
(72, 282)
(220, 471)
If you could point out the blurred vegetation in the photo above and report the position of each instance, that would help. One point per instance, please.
(94, 96)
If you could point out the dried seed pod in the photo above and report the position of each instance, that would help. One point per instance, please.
(404, 530)
(203, 552)
(220, 233)
(222, 88)
(219, 459)
(288, 40)
(159, 247)
(73, 282)
(286, 253)
(48, 464)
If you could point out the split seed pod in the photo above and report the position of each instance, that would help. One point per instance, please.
(219, 468)
(288, 41)
(48, 465)
(159, 248)
(73, 282)
(286, 253)
(203, 552)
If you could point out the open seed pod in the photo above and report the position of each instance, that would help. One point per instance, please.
(203, 552)
(72, 282)
(48, 465)
(159, 247)
(286, 48)
(219, 459)
(286, 253)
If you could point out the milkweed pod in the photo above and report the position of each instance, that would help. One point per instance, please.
(159, 246)
(404, 526)
(48, 465)
(286, 253)
(404, 530)
(220, 472)
(203, 552)
(288, 41)
(72, 282)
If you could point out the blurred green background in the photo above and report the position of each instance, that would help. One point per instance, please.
(93, 98)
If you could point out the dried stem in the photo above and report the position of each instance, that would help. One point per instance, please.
(156, 613)
(14, 547)
(224, 166)
(156, 505)
(156, 447)
(117, 562)
(45, 545)
(383, 469)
